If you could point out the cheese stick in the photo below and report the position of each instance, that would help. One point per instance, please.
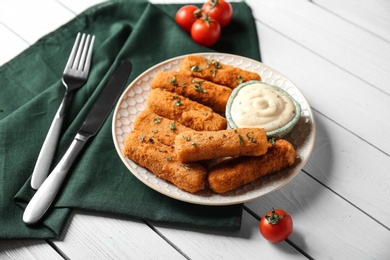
(158, 127)
(231, 174)
(185, 111)
(215, 71)
(161, 160)
(205, 92)
(193, 146)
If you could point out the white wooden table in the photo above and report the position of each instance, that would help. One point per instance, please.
(338, 54)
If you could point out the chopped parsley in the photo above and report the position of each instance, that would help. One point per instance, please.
(173, 81)
(186, 167)
(240, 80)
(272, 140)
(177, 102)
(157, 120)
(172, 126)
(253, 140)
(241, 139)
(217, 66)
(196, 68)
(198, 87)
(186, 138)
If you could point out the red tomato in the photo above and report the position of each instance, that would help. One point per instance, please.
(205, 32)
(186, 16)
(276, 225)
(219, 10)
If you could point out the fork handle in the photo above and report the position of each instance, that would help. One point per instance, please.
(45, 157)
(46, 194)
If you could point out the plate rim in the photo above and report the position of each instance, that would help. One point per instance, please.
(298, 169)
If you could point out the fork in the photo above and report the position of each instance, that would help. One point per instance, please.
(74, 76)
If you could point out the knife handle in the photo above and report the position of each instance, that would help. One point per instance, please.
(45, 195)
(45, 157)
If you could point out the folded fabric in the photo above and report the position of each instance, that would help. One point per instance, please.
(31, 91)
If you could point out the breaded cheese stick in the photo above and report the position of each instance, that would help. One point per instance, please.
(185, 111)
(193, 146)
(205, 92)
(158, 127)
(242, 170)
(215, 71)
(161, 160)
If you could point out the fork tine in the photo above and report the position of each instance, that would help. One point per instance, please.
(84, 53)
(73, 53)
(89, 55)
(79, 51)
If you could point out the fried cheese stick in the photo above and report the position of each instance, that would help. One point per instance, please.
(185, 111)
(215, 71)
(242, 170)
(205, 92)
(158, 127)
(161, 160)
(204, 145)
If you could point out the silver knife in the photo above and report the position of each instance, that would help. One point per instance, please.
(45, 195)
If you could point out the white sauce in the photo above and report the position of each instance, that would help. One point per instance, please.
(259, 105)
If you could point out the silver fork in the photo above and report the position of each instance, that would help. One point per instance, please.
(75, 75)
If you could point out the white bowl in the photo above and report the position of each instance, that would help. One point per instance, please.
(277, 133)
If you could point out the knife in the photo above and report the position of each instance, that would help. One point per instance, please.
(45, 195)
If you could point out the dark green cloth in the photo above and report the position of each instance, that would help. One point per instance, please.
(31, 91)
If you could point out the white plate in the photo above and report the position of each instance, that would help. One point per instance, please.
(133, 101)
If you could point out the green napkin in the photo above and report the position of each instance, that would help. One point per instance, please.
(31, 91)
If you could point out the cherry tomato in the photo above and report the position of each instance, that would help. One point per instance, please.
(205, 32)
(186, 16)
(276, 225)
(219, 10)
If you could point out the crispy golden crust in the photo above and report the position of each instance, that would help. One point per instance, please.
(158, 127)
(185, 111)
(216, 72)
(161, 160)
(196, 146)
(242, 170)
(205, 92)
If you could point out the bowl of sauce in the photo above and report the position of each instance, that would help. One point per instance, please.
(258, 104)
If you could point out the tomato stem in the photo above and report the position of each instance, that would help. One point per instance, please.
(214, 3)
(197, 12)
(274, 218)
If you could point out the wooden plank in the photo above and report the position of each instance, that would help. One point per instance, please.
(27, 249)
(43, 15)
(10, 47)
(373, 16)
(329, 36)
(360, 106)
(89, 236)
(354, 168)
(247, 243)
(77, 6)
(325, 225)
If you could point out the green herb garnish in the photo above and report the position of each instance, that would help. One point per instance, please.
(241, 139)
(186, 167)
(173, 81)
(196, 68)
(172, 126)
(251, 138)
(177, 102)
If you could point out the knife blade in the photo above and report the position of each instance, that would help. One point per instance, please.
(99, 112)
